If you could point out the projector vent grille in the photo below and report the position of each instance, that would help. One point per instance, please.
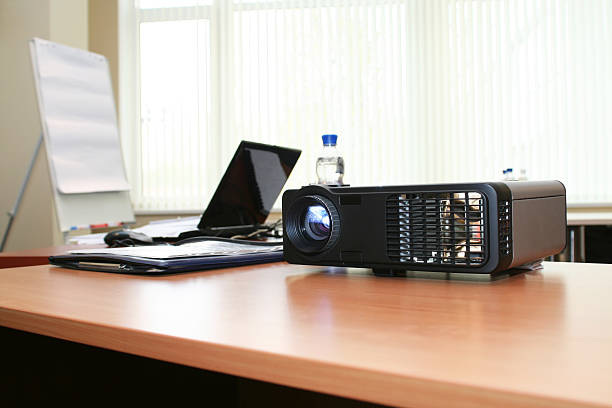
(437, 228)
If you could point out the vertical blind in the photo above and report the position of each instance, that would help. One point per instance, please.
(419, 91)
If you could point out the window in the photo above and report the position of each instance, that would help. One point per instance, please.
(418, 91)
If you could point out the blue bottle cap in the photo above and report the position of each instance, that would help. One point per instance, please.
(330, 140)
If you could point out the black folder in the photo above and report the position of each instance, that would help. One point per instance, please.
(184, 259)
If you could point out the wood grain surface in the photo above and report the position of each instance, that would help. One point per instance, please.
(541, 339)
(38, 256)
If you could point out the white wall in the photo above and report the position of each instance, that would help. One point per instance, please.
(64, 21)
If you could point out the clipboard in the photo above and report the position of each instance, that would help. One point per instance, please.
(187, 256)
(148, 266)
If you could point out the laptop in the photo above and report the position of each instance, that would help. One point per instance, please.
(249, 188)
(241, 203)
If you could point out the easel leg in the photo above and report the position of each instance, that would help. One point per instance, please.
(20, 195)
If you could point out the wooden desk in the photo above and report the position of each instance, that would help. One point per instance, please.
(39, 256)
(535, 339)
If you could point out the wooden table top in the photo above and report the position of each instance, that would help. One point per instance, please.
(38, 256)
(540, 338)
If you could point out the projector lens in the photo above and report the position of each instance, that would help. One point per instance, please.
(312, 224)
(316, 223)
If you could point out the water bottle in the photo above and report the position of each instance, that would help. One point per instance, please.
(330, 164)
(509, 175)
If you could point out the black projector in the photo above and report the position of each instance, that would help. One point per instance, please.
(480, 228)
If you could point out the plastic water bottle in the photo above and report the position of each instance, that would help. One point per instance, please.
(330, 164)
(512, 175)
(509, 175)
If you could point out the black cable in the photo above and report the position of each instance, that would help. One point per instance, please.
(128, 242)
(267, 231)
(232, 240)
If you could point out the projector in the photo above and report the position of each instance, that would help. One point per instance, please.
(482, 228)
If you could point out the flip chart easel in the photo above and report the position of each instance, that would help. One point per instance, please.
(79, 126)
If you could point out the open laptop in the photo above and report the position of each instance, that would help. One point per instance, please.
(241, 203)
(249, 188)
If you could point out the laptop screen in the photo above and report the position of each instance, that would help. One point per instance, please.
(250, 186)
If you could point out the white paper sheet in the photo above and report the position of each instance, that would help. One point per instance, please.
(79, 119)
(201, 248)
(169, 228)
